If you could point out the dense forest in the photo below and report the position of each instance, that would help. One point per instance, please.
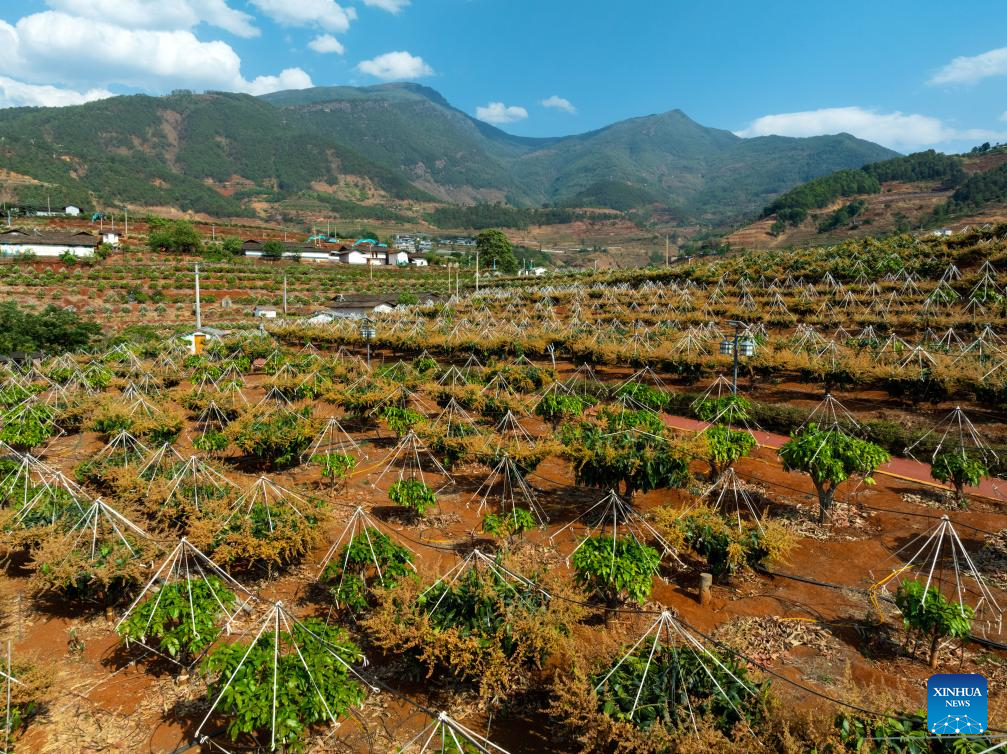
(482, 216)
(976, 192)
(792, 207)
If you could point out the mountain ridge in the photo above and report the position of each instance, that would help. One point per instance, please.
(347, 149)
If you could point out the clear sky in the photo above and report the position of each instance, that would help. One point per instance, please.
(909, 75)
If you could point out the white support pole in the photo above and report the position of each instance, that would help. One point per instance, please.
(199, 314)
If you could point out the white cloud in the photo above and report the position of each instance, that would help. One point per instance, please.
(395, 66)
(18, 94)
(161, 14)
(895, 130)
(289, 78)
(326, 14)
(326, 43)
(392, 6)
(52, 47)
(560, 103)
(970, 70)
(498, 113)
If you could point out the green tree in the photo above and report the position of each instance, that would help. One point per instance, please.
(231, 245)
(494, 246)
(272, 250)
(313, 684)
(669, 684)
(413, 495)
(724, 446)
(178, 236)
(635, 459)
(53, 330)
(370, 558)
(557, 407)
(509, 523)
(616, 569)
(958, 469)
(182, 616)
(931, 616)
(830, 457)
(335, 466)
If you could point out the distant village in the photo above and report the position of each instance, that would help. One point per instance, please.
(404, 250)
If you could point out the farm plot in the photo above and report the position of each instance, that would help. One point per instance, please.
(493, 538)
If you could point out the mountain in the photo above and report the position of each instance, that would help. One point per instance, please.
(916, 192)
(387, 149)
(668, 158)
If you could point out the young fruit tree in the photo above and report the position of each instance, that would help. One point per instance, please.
(292, 676)
(960, 470)
(336, 466)
(368, 560)
(556, 407)
(182, 616)
(930, 616)
(414, 495)
(724, 446)
(616, 569)
(636, 460)
(830, 457)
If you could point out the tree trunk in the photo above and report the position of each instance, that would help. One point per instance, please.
(934, 646)
(824, 502)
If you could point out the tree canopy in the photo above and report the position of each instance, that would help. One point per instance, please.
(494, 246)
(53, 330)
(830, 457)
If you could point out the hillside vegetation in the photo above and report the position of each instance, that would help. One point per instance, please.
(919, 191)
(391, 148)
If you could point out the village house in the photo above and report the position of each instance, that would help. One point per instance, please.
(264, 311)
(16, 242)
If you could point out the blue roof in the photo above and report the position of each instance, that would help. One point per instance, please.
(365, 240)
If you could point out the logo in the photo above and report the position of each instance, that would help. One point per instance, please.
(956, 704)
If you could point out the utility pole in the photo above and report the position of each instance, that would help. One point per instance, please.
(213, 232)
(199, 314)
(284, 295)
(666, 251)
(126, 232)
(477, 270)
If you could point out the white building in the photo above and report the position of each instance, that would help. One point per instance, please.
(266, 312)
(71, 210)
(16, 242)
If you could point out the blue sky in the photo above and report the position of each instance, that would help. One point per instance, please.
(910, 75)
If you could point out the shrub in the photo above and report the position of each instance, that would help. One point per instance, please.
(369, 557)
(278, 438)
(479, 628)
(616, 569)
(509, 524)
(930, 616)
(675, 684)
(245, 681)
(181, 615)
(414, 495)
(556, 407)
